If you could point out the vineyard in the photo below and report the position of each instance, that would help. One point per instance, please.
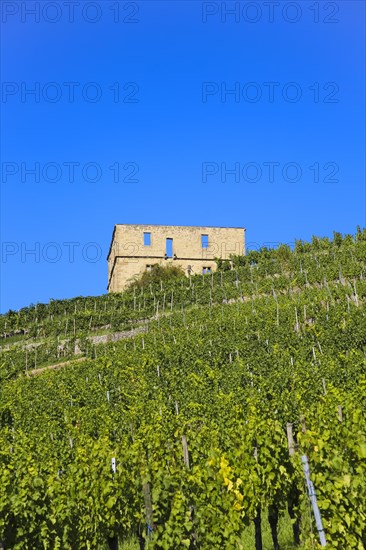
(181, 411)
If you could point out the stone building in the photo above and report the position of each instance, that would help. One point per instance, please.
(136, 248)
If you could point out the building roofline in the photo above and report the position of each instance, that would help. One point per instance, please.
(171, 225)
(176, 225)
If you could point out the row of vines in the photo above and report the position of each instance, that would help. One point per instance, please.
(227, 379)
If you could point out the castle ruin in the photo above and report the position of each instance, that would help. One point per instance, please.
(136, 248)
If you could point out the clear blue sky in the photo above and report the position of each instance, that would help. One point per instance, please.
(143, 89)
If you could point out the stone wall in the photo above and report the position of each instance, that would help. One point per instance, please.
(129, 256)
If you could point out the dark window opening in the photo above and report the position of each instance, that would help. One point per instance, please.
(204, 241)
(206, 270)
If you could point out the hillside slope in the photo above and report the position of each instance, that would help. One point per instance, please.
(195, 400)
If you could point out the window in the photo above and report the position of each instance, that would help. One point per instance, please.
(204, 241)
(149, 267)
(147, 239)
(206, 270)
(169, 248)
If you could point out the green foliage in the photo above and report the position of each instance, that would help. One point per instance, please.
(337, 238)
(223, 265)
(361, 234)
(227, 360)
(158, 273)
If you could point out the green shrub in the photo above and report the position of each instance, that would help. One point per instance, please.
(158, 273)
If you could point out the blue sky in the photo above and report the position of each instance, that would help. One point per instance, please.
(132, 121)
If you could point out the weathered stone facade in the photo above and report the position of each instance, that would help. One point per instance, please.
(135, 248)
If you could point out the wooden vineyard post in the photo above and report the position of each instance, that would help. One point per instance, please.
(186, 463)
(290, 439)
(258, 530)
(185, 451)
(313, 500)
(273, 522)
(293, 498)
(258, 518)
(113, 541)
(355, 293)
(340, 413)
(297, 326)
(148, 508)
(303, 423)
